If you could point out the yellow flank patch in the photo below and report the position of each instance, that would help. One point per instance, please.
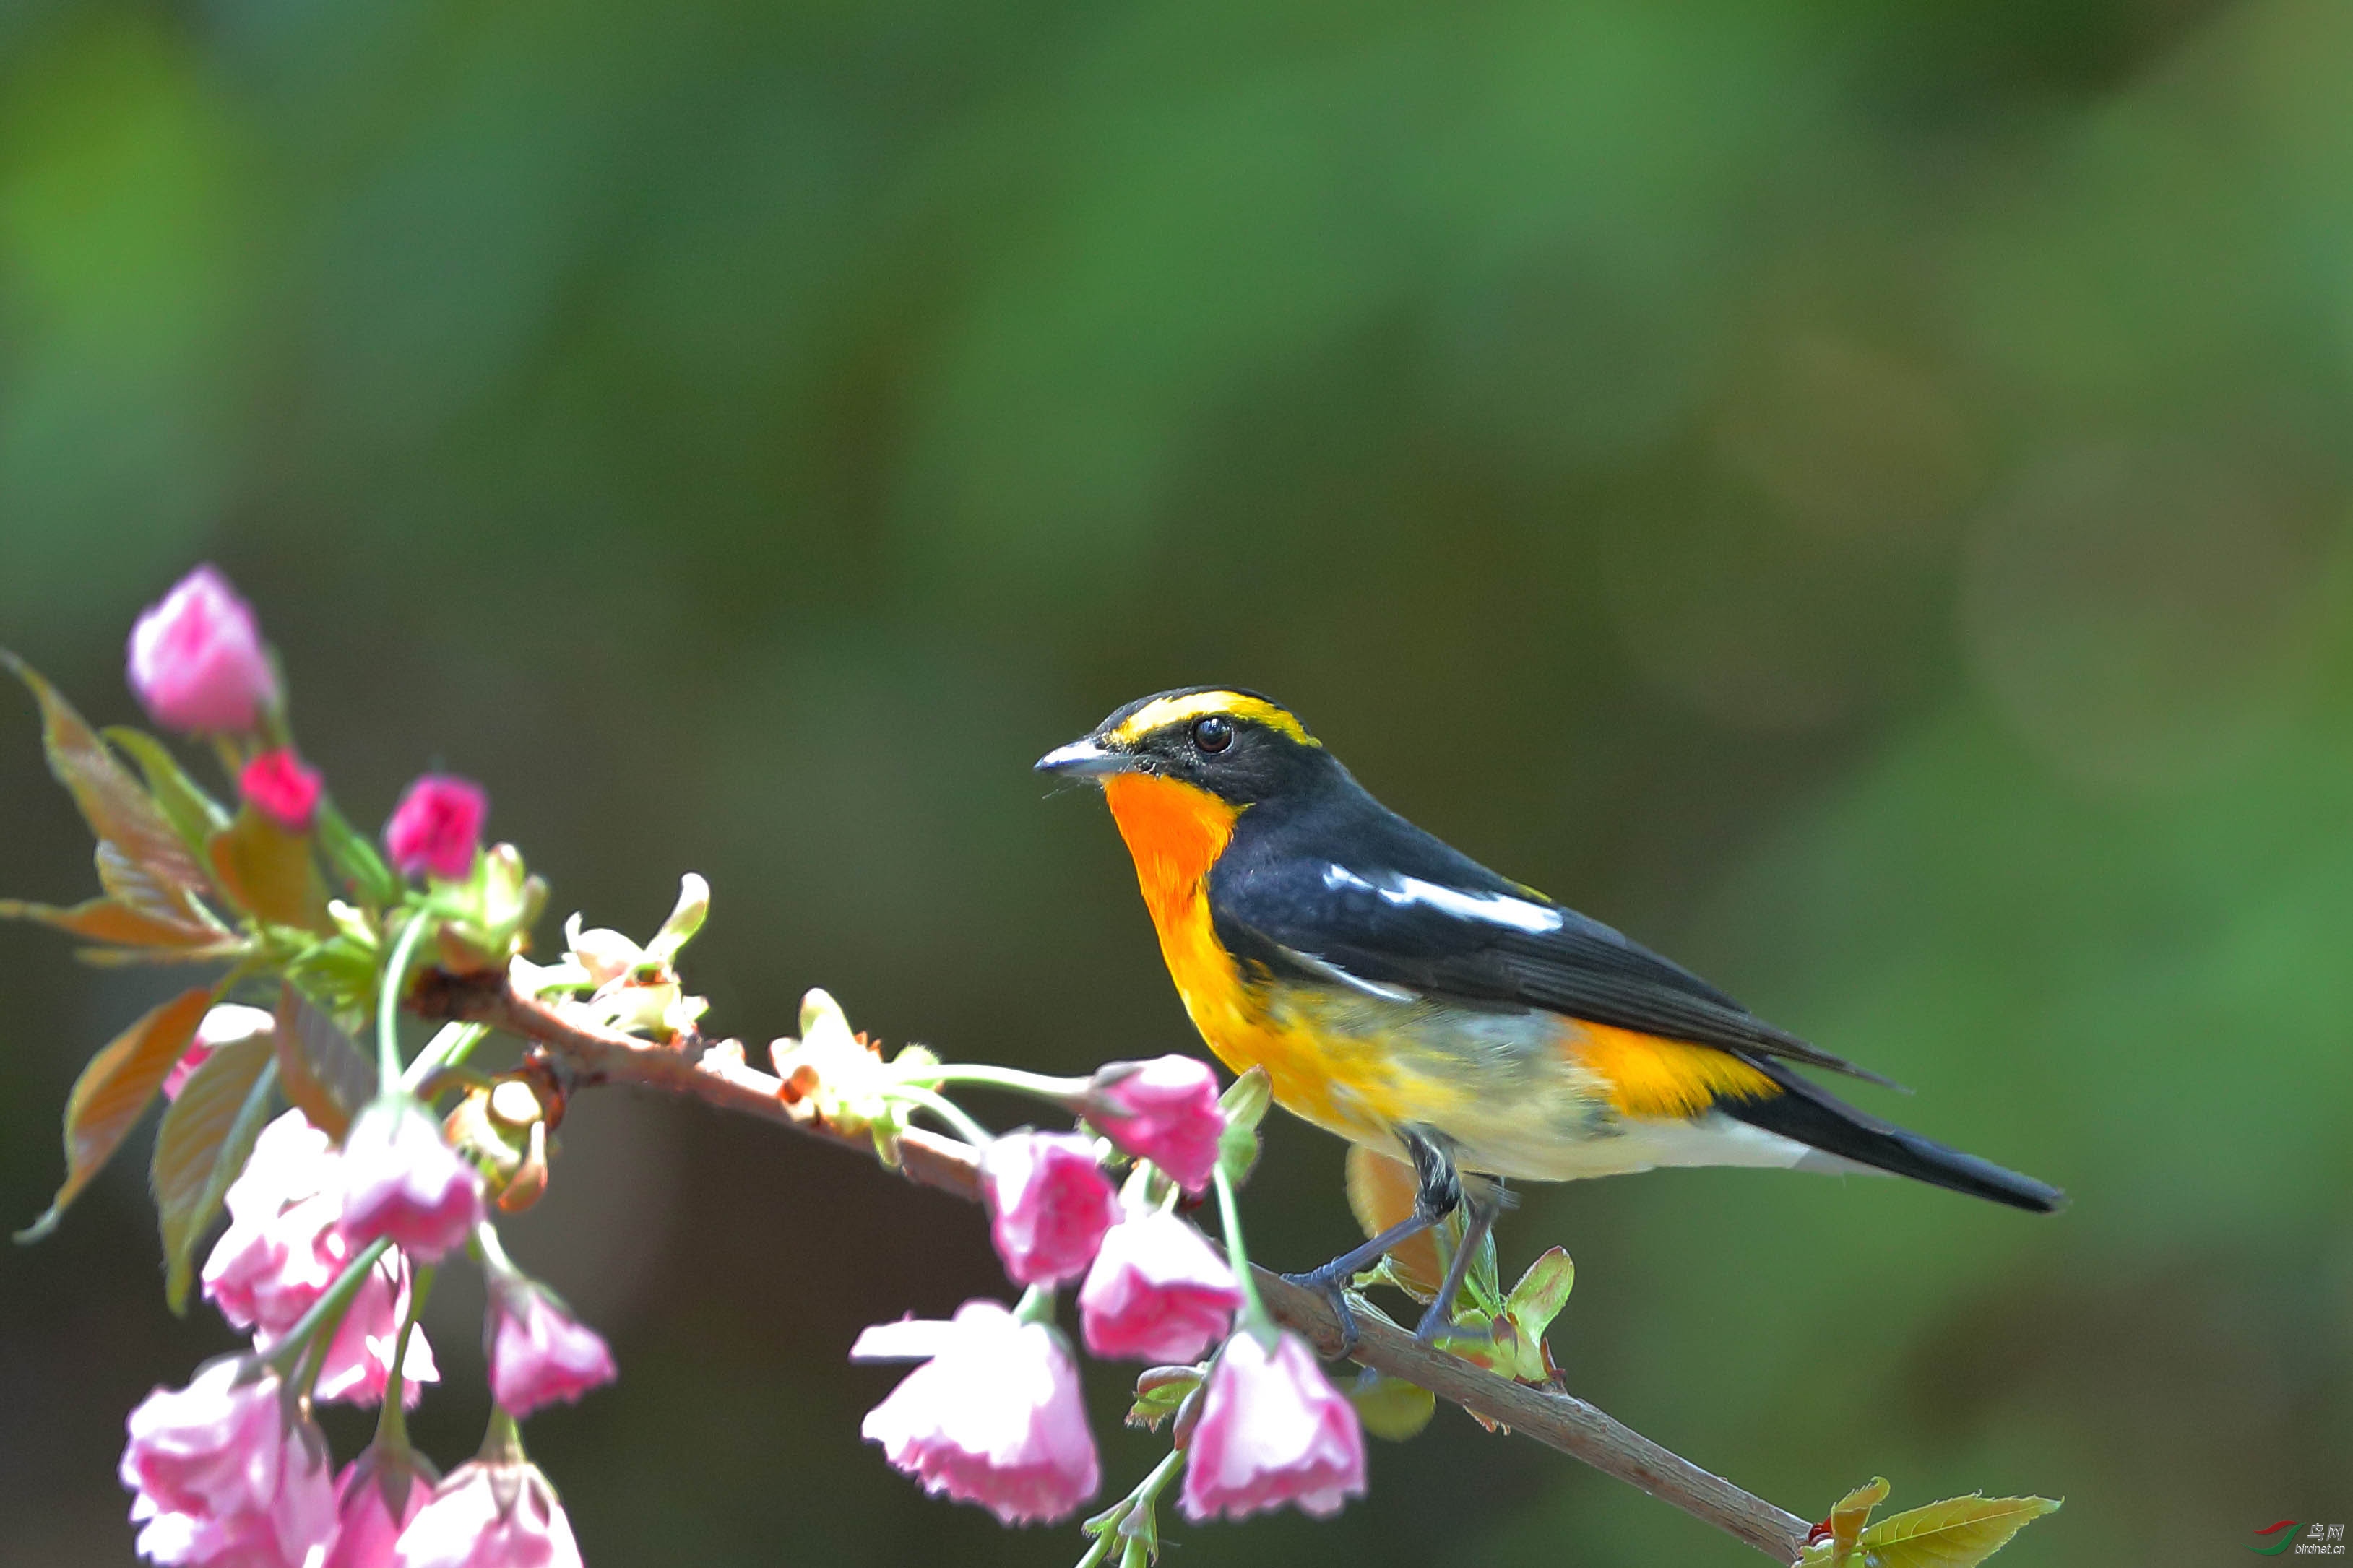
(1652, 1076)
(1170, 711)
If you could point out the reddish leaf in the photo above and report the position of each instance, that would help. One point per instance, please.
(117, 809)
(206, 1134)
(268, 872)
(325, 1072)
(113, 1089)
(193, 812)
(103, 919)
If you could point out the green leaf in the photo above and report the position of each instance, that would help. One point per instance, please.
(1847, 1519)
(326, 1074)
(1541, 1294)
(113, 1089)
(1244, 1105)
(1160, 1393)
(339, 969)
(206, 1134)
(192, 813)
(117, 809)
(1390, 1407)
(1959, 1532)
(268, 872)
(355, 857)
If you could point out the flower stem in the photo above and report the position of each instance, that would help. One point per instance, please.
(387, 1002)
(392, 1420)
(501, 1439)
(1036, 1306)
(946, 1110)
(453, 1045)
(1254, 1316)
(326, 1314)
(1060, 1090)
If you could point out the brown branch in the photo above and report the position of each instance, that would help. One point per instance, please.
(719, 1077)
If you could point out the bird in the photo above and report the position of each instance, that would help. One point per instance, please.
(1405, 997)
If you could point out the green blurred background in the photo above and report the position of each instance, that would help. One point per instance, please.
(1856, 494)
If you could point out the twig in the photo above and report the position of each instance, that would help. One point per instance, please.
(720, 1077)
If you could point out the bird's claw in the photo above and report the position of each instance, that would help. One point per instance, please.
(1327, 1285)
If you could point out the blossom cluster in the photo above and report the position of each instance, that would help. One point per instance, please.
(993, 1414)
(340, 1208)
(347, 1177)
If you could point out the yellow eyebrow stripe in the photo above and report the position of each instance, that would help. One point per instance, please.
(1168, 710)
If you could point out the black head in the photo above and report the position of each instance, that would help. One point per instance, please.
(1237, 745)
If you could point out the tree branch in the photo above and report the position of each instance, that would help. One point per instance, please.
(719, 1077)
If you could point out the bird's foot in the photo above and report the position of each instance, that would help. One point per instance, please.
(1331, 1284)
(1437, 1323)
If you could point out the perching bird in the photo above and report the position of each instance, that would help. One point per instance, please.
(1402, 996)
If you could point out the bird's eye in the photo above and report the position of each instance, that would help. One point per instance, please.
(1213, 733)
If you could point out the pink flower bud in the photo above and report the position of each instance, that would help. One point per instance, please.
(401, 1180)
(437, 828)
(994, 1417)
(490, 1514)
(1273, 1430)
(1157, 1292)
(1164, 1111)
(225, 1024)
(539, 1352)
(1049, 1204)
(378, 1495)
(196, 659)
(280, 787)
(225, 1473)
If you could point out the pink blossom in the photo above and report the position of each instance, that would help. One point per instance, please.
(196, 659)
(490, 1514)
(283, 788)
(225, 1473)
(994, 1417)
(285, 1246)
(1157, 1292)
(378, 1495)
(437, 828)
(1273, 1430)
(539, 1352)
(1049, 1204)
(223, 1025)
(402, 1180)
(1164, 1111)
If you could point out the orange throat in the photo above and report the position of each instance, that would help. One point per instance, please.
(1174, 833)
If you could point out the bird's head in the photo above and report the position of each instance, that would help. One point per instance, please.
(1236, 745)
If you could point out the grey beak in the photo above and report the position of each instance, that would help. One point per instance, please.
(1082, 760)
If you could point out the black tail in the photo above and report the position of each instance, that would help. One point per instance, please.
(1822, 1121)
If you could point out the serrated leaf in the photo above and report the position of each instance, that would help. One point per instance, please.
(269, 873)
(113, 1089)
(1959, 1532)
(117, 809)
(104, 919)
(206, 1134)
(1159, 1399)
(325, 1072)
(1846, 1520)
(1541, 1293)
(1390, 1407)
(1380, 1194)
(192, 813)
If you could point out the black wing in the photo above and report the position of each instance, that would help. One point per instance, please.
(1367, 893)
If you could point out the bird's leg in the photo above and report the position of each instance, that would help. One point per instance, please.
(1485, 1202)
(1438, 1193)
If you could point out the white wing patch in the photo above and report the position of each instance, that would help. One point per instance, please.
(1495, 909)
(1314, 964)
